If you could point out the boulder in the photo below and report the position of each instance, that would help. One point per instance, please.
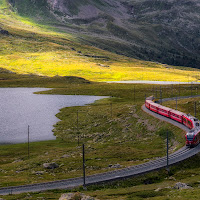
(114, 166)
(39, 173)
(157, 190)
(16, 161)
(4, 32)
(65, 156)
(180, 186)
(77, 196)
(50, 165)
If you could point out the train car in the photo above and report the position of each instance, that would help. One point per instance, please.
(154, 107)
(147, 103)
(150, 98)
(192, 138)
(176, 115)
(165, 111)
(189, 121)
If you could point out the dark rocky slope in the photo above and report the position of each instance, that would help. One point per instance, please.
(166, 31)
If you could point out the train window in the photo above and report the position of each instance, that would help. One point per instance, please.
(189, 122)
(184, 120)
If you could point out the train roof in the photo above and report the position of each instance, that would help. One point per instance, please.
(164, 107)
(154, 104)
(177, 112)
(191, 117)
(191, 133)
(149, 101)
(150, 98)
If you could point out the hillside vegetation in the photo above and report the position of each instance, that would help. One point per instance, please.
(32, 46)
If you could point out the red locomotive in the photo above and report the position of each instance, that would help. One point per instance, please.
(192, 137)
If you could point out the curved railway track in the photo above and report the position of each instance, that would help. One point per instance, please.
(153, 165)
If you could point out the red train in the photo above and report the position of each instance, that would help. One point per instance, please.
(192, 137)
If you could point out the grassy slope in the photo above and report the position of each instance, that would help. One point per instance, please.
(34, 49)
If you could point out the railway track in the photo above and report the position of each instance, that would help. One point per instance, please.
(153, 165)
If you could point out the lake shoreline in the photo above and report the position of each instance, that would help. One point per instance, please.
(22, 108)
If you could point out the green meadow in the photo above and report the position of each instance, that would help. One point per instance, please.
(115, 131)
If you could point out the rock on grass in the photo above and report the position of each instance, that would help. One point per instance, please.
(76, 196)
(180, 186)
(50, 165)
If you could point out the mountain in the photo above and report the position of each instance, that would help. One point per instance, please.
(165, 31)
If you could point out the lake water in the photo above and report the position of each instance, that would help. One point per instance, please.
(19, 107)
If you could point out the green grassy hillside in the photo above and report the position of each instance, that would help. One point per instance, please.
(32, 48)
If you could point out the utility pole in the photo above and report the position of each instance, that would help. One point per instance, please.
(195, 107)
(167, 151)
(160, 95)
(134, 94)
(172, 91)
(176, 102)
(191, 88)
(179, 90)
(77, 126)
(28, 144)
(156, 92)
(111, 110)
(153, 91)
(84, 185)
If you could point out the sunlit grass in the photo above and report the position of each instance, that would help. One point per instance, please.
(37, 49)
(68, 63)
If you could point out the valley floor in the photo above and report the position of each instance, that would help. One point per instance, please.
(115, 131)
